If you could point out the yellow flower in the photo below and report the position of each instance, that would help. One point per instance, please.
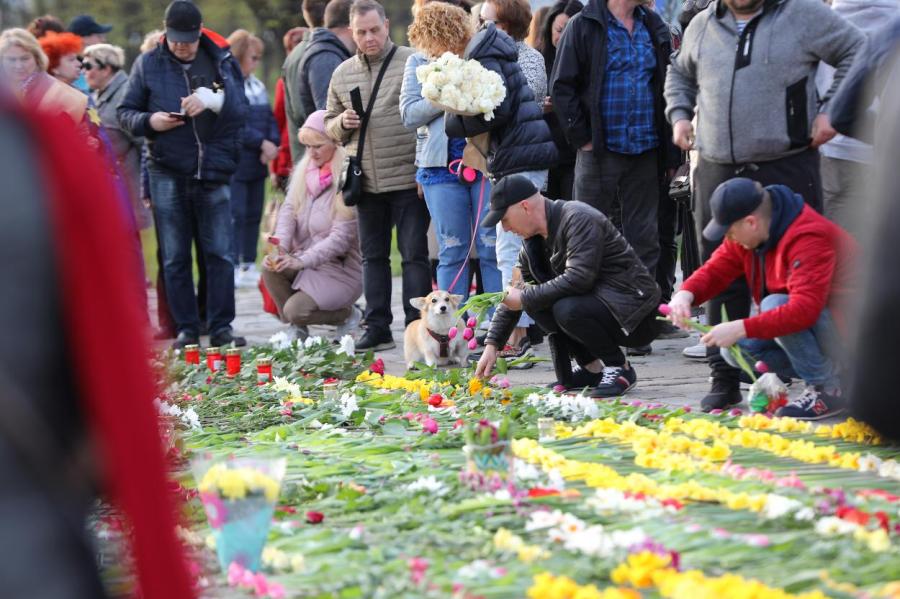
(475, 385)
(638, 569)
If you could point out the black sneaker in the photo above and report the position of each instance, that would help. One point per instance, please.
(813, 404)
(185, 339)
(615, 381)
(723, 394)
(641, 350)
(374, 340)
(667, 330)
(581, 378)
(227, 339)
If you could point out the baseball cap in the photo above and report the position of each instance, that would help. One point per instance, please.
(730, 202)
(85, 25)
(183, 21)
(510, 190)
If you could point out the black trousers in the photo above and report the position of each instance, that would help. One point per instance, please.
(377, 215)
(592, 330)
(667, 225)
(800, 172)
(626, 189)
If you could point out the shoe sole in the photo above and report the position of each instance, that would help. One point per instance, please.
(697, 358)
(378, 347)
(620, 394)
(829, 414)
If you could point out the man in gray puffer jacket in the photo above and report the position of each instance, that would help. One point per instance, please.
(748, 67)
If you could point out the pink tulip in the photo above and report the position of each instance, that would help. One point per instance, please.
(761, 366)
(452, 332)
(472, 322)
(665, 309)
(559, 388)
(735, 412)
(715, 412)
(473, 344)
(468, 333)
(758, 540)
(430, 426)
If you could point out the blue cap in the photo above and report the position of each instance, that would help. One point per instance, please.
(730, 202)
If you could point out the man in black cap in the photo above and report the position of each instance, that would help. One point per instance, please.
(801, 269)
(91, 32)
(584, 285)
(186, 97)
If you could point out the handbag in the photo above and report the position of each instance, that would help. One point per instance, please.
(353, 178)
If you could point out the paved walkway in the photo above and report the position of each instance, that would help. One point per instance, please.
(664, 376)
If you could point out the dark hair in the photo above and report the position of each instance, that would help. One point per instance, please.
(569, 8)
(515, 16)
(41, 25)
(337, 13)
(314, 12)
(361, 7)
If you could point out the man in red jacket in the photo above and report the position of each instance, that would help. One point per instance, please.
(800, 267)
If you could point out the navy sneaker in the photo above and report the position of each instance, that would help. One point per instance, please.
(616, 381)
(813, 404)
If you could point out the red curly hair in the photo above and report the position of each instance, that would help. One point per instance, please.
(57, 45)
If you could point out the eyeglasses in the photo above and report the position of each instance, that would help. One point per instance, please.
(89, 65)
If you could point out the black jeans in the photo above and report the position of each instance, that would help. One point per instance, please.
(667, 225)
(378, 214)
(586, 321)
(626, 189)
(560, 182)
(799, 172)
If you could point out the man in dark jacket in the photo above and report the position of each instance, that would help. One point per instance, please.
(186, 97)
(584, 285)
(747, 70)
(314, 15)
(607, 90)
(802, 272)
(328, 47)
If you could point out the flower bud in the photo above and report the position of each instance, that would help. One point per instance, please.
(761, 366)
(452, 332)
(665, 309)
(473, 344)
(472, 322)
(468, 334)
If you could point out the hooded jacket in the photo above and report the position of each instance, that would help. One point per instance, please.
(323, 55)
(577, 98)
(520, 139)
(807, 257)
(583, 254)
(756, 92)
(157, 84)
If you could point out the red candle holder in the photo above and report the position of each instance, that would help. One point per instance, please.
(233, 362)
(192, 354)
(213, 359)
(263, 370)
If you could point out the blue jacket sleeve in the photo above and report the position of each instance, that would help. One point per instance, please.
(132, 112)
(415, 111)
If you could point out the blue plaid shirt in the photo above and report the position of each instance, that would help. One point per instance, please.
(627, 103)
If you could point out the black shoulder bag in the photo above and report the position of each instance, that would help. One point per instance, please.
(353, 178)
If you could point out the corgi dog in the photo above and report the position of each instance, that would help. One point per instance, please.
(427, 339)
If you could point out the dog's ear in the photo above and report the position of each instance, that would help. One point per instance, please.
(456, 299)
(417, 302)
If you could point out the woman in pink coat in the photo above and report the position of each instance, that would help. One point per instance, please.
(317, 275)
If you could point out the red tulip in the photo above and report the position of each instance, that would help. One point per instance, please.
(472, 322)
(468, 333)
(435, 400)
(315, 517)
(377, 366)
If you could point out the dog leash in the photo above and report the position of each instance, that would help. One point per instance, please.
(460, 168)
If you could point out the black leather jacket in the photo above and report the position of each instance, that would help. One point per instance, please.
(583, 254)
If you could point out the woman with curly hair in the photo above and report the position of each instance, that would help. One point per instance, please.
(520, 140)
(455, 205)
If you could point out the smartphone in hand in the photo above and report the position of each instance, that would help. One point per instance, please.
(178, 115)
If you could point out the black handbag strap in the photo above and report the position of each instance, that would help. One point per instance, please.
(365, 119)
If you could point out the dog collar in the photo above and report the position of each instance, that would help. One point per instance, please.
(443, 341)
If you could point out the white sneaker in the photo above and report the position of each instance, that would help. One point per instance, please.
(695, 352)
(248, 276)
(349, 325)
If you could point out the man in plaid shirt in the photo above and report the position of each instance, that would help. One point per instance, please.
(606, 87)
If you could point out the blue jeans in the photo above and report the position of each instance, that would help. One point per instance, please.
(454, 210)
(808, 355)
(509, 244)
(246, 213)
(176, 199)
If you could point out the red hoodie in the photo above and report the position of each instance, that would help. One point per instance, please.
(814, 263)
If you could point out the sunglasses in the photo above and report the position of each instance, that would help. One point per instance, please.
(90, 65)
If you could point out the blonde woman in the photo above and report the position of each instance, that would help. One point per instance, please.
(317, 275)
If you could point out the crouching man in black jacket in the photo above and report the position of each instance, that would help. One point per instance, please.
(584, 285)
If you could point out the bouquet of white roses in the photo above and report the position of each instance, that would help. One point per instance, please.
(461, 86)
